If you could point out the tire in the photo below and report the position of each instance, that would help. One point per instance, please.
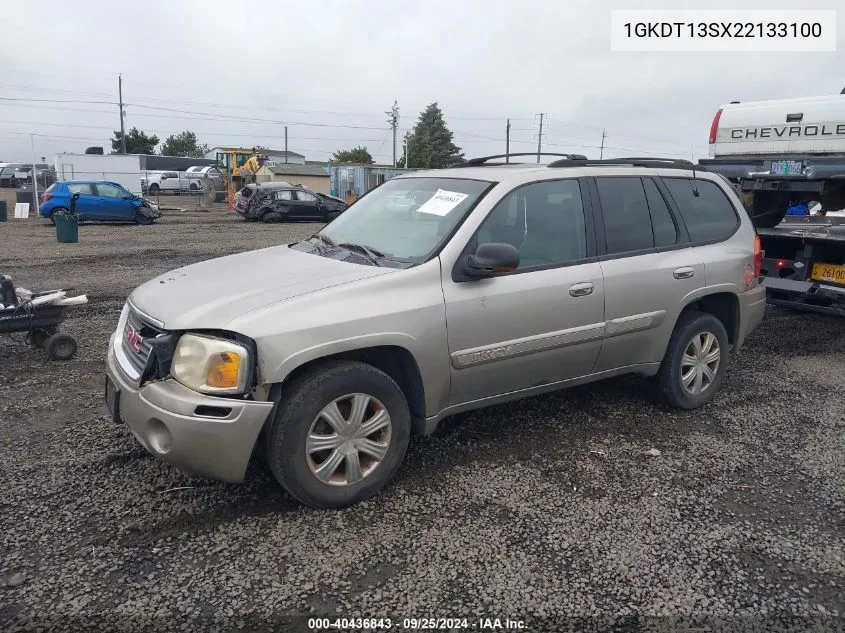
(334, 215)
(272, 216)
(60, 346)
(52, 216)
(768, 209)
(142, 219)
(693, 326)
(154, 189)
(298, 416)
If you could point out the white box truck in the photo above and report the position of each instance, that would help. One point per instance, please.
(124, 169)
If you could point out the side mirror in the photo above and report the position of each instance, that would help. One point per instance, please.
(75, 196)
(492, 259)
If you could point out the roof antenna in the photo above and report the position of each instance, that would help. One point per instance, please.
(694, 186)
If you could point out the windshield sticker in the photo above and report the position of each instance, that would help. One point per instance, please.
(442, 202)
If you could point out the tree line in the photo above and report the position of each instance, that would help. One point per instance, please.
(428, 145)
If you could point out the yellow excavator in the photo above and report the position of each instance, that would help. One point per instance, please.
(239, 165)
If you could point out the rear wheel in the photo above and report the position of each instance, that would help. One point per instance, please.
(339, 435)
(60, 346)
(272, 216)
(52, 216)
(695, 362)
(154, 189)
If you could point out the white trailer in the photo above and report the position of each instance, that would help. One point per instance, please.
(124, 169)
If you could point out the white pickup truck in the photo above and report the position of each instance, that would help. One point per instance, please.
(780, 154)
(157, 182)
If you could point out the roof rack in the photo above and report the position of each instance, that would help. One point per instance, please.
(635, 161)
(482, 160)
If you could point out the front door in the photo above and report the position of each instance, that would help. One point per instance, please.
(114, 203)
(649, 267)
(542, 323)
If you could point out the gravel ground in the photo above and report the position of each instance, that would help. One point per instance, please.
(593, 508)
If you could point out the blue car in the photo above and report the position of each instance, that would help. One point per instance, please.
(97, 201)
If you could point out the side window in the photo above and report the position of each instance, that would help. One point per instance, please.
(82, 190)
(284, 194)
(543, 220)
(110, 191)
(304, 196)
(665, 231)
(627, 222)
(709, 216)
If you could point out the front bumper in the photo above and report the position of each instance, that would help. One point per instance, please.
(752, 308)
(163, 417)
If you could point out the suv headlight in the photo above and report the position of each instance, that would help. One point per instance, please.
(211, 365)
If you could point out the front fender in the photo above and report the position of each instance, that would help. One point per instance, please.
(434, 370)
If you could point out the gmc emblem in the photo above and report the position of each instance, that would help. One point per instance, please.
(133, 339)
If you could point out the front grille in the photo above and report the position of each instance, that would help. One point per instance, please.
(137, 337)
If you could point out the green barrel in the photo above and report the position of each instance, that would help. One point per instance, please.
(67, 228)
(4, 217)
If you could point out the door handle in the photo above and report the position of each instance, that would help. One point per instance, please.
(581, 290)
(684, 272)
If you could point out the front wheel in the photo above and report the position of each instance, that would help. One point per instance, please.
(142, 218)
(339, 434)
(154, 189)
(695, 362)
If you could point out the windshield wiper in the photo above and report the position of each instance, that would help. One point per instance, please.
(372, 254)
(322, 239)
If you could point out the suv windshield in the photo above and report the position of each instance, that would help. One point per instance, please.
(406, 218)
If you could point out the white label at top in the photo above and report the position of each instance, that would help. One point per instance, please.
(709, 30)
(442, 202)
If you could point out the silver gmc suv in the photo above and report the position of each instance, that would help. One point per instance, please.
(437, 292)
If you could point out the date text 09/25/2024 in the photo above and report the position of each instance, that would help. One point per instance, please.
(415, 624)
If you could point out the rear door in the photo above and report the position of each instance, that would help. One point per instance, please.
(112, 204)
(649, 267)
(541, 324)
(87, 205)
(308, 205)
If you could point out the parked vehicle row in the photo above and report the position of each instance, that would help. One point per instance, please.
(278, 202)
(194, 179)
(496, 283)
(15, 174)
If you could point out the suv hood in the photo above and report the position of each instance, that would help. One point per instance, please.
(212, 293)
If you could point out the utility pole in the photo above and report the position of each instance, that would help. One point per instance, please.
(286, 144)
(540, 137)
(122, 131)
(34, 174)
(393, 120)
(601, 151)
(508, 142)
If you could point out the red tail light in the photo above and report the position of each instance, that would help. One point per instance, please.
(46, 197)
(758, 256)
(714, 127)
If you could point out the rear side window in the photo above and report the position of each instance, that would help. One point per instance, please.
(627, 222)
(51, 187)
(710, 216)
(81, 189)
(663, 226)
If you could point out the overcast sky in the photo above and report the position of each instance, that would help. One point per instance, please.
(329, 69)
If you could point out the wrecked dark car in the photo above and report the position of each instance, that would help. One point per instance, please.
(280, 202)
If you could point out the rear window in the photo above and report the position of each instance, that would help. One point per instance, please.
(83, 189)
(51, 187)
(709, 216)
